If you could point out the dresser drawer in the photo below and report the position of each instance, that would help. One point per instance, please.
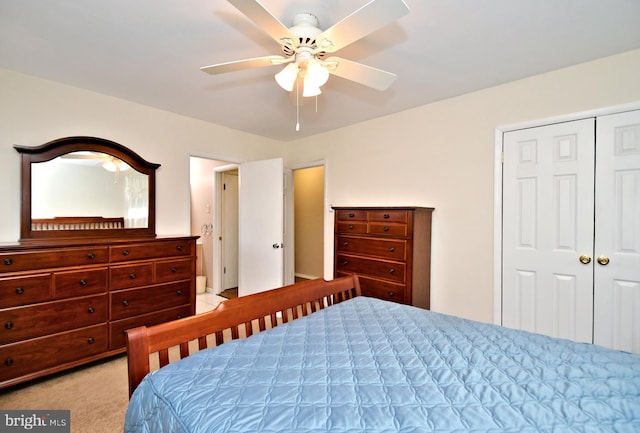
(151, 250)
(389, 216)
(80, 283)
(352, 227)
(388, 229)
(140, 274)
(55, 258)
(21, 323)
(373, 247)
(387, 270)
(25, 290)
(30, 356)
(132, 302)
(383, 289)
(118, 328)
(351, 215)
(174, 270)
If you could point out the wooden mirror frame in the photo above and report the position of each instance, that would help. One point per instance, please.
(62, 146)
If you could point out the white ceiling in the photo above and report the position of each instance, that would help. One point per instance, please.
(150, 52)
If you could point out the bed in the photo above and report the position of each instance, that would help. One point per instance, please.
(340, 362)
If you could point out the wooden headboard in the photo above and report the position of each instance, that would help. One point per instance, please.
(230, 320)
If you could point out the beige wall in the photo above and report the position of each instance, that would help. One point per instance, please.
(442, 155)
(439, 155)
(308, 193)
(35, 111)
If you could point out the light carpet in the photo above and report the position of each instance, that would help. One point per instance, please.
(96, 394)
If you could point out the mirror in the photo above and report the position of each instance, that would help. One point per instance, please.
(79, 187)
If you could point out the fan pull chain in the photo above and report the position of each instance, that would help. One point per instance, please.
(297, 106)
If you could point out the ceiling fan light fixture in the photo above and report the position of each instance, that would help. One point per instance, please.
(287, 77)
(316, 74)
(115, 165)
(310, 90)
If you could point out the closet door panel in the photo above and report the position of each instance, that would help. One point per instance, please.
(617, 232)
(547, 226)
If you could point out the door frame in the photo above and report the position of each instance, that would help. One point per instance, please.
(497, 186)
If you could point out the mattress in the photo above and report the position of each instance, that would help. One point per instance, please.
(367, 365)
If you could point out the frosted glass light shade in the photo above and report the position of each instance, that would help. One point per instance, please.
(287, 77)
(316, 74)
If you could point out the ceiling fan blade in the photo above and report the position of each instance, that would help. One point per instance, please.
(363, 74)
(264, 19)
(369, 18)
(240, 65)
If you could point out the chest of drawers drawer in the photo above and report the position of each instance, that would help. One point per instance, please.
(80, 283)
(173, 270)
(373, 247)
(31, 321)
(143, 251)
(52, 351)
(132, 302)
(387, 229)
(118, 328)
(383, 289)
(388, 216)
(23, 290)
(139, 274)
(388, 270)
(41, 259)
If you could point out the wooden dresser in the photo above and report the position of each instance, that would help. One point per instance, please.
(389, 248)
(63, 306)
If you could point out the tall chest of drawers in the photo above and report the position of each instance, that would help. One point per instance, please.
(389, 248)
(63, 306)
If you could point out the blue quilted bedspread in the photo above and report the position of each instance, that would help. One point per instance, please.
(372, 366)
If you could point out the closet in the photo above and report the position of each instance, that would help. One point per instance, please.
(571, 230)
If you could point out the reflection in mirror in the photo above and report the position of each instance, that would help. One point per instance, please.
(88, 184)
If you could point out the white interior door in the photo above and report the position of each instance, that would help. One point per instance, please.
(617, 232)
(261, 226)
(229, 236)
(547, 225)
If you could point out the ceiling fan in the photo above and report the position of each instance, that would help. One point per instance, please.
(306, 49)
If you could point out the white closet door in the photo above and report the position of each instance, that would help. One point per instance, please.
(617, 232)
(547, 226)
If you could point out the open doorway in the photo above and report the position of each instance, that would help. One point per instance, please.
(308, 208)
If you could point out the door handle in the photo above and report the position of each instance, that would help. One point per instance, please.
(585, 259)
(276, 246)
(603, 260)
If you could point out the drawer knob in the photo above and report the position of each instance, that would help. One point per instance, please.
(125, 303)
(19, 290)
(386, 216)
(179, 292)
(8, 362)
(350, 226)
(391, 294)
(345, 263)
(90, 340)
(346, 244)
(174, 270)
(132, 276)
(8, 262)
(83, 282)
(8, 325)
(385, 228)
(91, 310)
(180, 247)
(125, 252)
(391, 271)
(91, 256)
(352, 215)
(392, 249)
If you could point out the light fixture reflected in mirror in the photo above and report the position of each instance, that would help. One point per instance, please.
(115, 165)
